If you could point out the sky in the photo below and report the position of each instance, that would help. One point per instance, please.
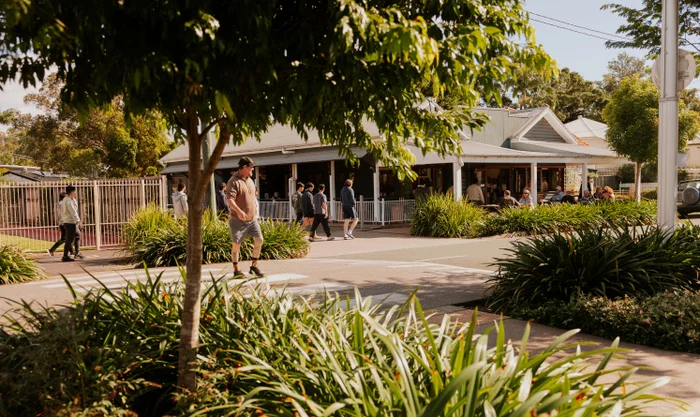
(583, 54)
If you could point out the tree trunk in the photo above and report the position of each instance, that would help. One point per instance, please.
(638, 181)
(189, 334)
(198, 178)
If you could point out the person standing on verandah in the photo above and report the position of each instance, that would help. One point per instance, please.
(475, 194)
(347, 200)
(243, 218)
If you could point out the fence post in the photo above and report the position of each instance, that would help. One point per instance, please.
(143, 193)
(97, 206)
(163, 192)
(383, 211)
(361, 213)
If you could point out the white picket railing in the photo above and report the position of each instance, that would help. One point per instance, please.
(629, 186)
(390, 211)
(29, 218)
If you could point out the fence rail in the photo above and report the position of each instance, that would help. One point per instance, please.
(645, 186)
(29, 215)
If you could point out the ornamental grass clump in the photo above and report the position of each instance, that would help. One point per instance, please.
(440, 215)
(609, 261)
(16, 267)
(166, 244)
(270, 353)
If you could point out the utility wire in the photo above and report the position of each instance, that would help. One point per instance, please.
(572, 30)
(581, 27)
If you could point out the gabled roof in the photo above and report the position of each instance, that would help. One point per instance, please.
(535, 117)
(587, 128)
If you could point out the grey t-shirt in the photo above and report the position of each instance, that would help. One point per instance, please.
(319, 199)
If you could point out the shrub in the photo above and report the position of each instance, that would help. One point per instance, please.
(166, 245)
(277, 355)
(16, 267)
(665, 320)
(566, 217)
(609, 262)
(649, 194)
(440, 215)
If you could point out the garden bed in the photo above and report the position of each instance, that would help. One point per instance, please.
(285, 356)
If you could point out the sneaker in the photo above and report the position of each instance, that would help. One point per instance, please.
(331, 238)
(49, 252)
(79, 256)
(346, 237)
(67, 259)
(255, 271)
(238, 274)
(351, 236)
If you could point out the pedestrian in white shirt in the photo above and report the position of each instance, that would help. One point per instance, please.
(71, 221)
(475, 193)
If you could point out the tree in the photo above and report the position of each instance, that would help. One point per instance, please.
(104, 145)
(9, 141)
(632, 116)
(643, 27)
(569, 95)
(623, 66)
(242, 66)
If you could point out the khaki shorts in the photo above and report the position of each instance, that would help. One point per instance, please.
(240, 230)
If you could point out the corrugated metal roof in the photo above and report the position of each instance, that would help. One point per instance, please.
(586, 128)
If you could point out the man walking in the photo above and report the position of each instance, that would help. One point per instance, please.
(71, 220)
(61, 227)
(320, 214)
(307, 204)
(296, 204)
(180, 201)
(243, 217)
(347, 201)
(221, 205)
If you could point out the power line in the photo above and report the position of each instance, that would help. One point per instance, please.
(573, 30)
(581, 27)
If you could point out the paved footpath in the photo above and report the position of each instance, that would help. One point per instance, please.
(385, 265)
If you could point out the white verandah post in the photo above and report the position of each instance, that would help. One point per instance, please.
(376, 193)
(533, 182)
(97, 207)
(457, 180)
(331, 184)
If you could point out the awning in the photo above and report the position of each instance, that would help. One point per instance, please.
(275, 158)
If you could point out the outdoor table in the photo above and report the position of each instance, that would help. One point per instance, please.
(491, 207)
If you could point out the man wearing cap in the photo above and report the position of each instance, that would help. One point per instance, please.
(243, 217)
(558, 195)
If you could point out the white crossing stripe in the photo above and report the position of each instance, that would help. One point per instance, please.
(268, 279)
(120, 276)
(331, 287)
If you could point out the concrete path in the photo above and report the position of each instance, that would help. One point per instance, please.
(386, 265)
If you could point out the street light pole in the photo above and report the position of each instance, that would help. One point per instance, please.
(668, 117)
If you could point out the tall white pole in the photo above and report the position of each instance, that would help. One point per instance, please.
(457, 180)
(331, 187)
(534, 181)
(668, 116)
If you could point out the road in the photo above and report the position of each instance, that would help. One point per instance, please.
(445, 271)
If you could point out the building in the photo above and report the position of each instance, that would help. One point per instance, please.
(516, 149)
(593, 133)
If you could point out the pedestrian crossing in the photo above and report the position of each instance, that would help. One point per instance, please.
(290, 283)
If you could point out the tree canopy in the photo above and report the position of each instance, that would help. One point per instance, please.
(623, 66)
(643, 26)
(632, 116)
(104, 145)
(569, 95)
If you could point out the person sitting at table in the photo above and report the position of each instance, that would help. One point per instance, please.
(568, 198)
(509, 201)
(598, 193)
(586, 198)
(526, 199)
(608, 194)
(558, 195)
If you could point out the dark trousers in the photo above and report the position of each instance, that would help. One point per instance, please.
(72, 239)
(60, 241)
(300, 218)
(323, 221)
